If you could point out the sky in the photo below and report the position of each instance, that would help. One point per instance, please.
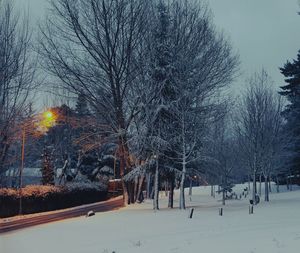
(265, 33)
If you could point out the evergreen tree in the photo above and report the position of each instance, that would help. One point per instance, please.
(163, 69)
(82, 108)
(47, 168)
(163, 81)
(291, 90)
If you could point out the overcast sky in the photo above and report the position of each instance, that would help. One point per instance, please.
(266, 33)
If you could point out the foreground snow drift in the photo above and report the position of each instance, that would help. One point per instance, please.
(274, 227)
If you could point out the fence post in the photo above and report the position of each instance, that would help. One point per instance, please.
(191, 213)
(251, 209)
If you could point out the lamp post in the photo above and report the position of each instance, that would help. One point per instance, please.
(21, 169)
(47, 121)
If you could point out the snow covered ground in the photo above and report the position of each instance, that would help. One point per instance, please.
(274, 227)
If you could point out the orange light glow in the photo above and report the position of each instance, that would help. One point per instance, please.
(48, 115)
(47, 120)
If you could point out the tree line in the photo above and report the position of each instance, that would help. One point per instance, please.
(152, 83)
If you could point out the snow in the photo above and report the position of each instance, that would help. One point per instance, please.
(274, 227)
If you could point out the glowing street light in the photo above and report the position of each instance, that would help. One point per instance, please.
(48, 115)
(49, 119)
(46, 120)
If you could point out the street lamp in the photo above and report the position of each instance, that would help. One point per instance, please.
(47, 121)
(48, 115)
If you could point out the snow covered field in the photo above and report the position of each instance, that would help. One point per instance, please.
(274, 227)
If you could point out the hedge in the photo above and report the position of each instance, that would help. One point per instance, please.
(37, 199)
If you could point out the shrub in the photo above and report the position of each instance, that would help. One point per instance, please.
(37, 198)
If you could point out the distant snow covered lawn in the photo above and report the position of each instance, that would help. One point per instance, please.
(273, 228)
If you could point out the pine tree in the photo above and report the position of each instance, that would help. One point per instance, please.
(163, 81)
(82, 108)
(163, 69)
(291, 90)
(47, 168)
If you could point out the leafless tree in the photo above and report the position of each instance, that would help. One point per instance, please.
(205, 63)
(90, 46)
(17, 71)
(223, 148)
(258, 128)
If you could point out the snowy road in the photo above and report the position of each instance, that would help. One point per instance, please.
(8, 225)
(274, 227)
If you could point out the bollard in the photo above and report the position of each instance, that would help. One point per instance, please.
(251, 209)
(221, 211)
(191, 213)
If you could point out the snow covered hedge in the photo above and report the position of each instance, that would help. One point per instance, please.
(37, 198)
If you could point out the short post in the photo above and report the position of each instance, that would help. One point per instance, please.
(251, 209)
(221, 211)
(191, 213)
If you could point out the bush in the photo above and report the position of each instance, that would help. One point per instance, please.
(37, 198)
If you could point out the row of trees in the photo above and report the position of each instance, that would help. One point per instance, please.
(17, 77)
(153, 72)
(151, 80)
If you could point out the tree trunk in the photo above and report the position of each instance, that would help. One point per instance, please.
(270, 185)
(277, 184)
(128, 191)
(212, 190)
(259, 190)
(181, 198)
(223, 197)
(166, 188)
(191, 187)
(266, 189)
(254, 188)
(140, 186)
(171, 193)
(124, 186)
(125, 193)
(249, 185)
(156, 188)
(135, 189)
(148, 178)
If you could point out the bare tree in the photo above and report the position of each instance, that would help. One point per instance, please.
(258, 128)
(16, 76)
(204, 64)
(223, 150)
(90, 46)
